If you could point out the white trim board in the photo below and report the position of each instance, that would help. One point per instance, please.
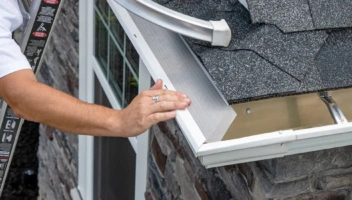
(85, 143)
(253, 148)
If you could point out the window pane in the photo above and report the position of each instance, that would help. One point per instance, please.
(115, 162)
(116, 55)
(132, 55)
(101, 43)
(131, 86)
(116, 29)
(116, 71)
(103, 8)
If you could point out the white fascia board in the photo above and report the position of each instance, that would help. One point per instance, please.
(274, 145)
(185, 120)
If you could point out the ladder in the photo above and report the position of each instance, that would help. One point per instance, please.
(38, 26)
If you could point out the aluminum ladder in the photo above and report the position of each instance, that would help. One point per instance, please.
(38, 25)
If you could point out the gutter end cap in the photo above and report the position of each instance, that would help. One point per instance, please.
(221, 33)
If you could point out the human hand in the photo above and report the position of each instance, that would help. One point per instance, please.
(143, 111)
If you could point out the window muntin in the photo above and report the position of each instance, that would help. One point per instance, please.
(115, 54)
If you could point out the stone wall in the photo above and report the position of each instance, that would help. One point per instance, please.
(174, 173)
(58, 152)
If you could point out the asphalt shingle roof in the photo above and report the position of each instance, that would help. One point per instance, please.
(278, 47)
(302, 15)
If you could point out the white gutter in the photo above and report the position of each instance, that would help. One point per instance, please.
(273, 145)
(216, 32)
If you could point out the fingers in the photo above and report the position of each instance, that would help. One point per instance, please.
(164, 109)
(159, 117)
(164, 95)
(155, 91)
(172, 97)
(158, 85)
(167, 106)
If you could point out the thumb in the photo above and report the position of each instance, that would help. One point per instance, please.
(158, 85)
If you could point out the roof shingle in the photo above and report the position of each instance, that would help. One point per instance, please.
(262, 61)
(302, 15)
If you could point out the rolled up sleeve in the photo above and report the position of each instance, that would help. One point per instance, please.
(11, 57)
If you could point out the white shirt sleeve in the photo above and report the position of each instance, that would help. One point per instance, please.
(11, 57)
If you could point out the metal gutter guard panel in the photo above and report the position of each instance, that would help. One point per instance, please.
(216, 32)
(210, 112)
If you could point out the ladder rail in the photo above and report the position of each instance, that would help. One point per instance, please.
(43, 16)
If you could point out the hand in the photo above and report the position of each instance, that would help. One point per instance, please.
(143, 111)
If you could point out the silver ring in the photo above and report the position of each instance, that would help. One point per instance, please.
(156, 98)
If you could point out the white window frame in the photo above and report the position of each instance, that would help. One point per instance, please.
(87, 68)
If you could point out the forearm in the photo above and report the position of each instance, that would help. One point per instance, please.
(52, 107)
(37, 102)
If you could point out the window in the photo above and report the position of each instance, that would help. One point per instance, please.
(116, 55)
(114, 162)
(110, 74)
(114, 158)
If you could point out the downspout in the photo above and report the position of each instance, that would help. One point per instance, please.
(218, 33)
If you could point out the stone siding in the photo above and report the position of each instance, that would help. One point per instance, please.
(175, 173)
(58, 152)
